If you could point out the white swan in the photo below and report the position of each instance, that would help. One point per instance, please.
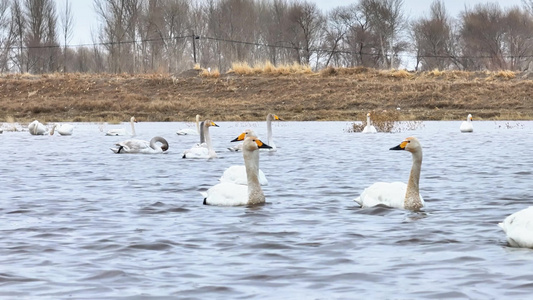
(64, 129)
(201, 150)
(37, 128)
(519, 228)
(270, 140)
(466, 126)
(140, 146)
(398, 194)
(232, 194)
(369, 128)
(122, 131)
(190, 131)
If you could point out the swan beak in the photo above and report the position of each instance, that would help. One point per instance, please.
(277, 118)
(240, 137)
(213, 124)
(262, 145)
(400, 146)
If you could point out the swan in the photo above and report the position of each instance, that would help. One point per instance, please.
(241, 137)
(64, 129)
(232, 194)
(191, 131)
(201, 150)
(140, 146)
(466, 126)
(369, 128)
(270, 141)
(37, 128)
(122, 131)
(519, 228)
(398, 194)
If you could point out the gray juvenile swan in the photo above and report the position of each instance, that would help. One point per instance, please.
(232, 194)
(140, 146)
(398, 194)
(202, 151)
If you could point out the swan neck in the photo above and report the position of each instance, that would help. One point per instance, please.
(251, 163)
(269, 130)
(367, 120)
(412, 195)
(207, 137)
(132, 129)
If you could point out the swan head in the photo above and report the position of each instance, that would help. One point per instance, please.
(469, 118)
(132, 119)
(209, 123)
(243, 135)
(410, 144)
(368, 115)
(252, 143)
(273, 117)
(164, 143)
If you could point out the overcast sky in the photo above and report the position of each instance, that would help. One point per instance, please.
(85, 20)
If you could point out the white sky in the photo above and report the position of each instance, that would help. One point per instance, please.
(85, 20)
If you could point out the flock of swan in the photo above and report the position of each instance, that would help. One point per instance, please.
(241, 184)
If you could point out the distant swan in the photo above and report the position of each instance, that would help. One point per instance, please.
(122, 131)
(199, 150)
(369, 128)
(64, 129)
(190, 131)
(519, 228)
(140, 146)
(398, 194)
(37, 128)
(466, 126)
(270, 140)
(232, 194)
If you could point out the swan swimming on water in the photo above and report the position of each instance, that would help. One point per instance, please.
(519, 228)
(466, 126)
(64, 129)
(141, 146)
(232, 194)
(190, 131)
(37, 128)
(398, 194)
(270, 140)
(199, 150)
(369, 128)
(122, 131)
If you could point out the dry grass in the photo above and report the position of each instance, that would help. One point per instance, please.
(293, 91)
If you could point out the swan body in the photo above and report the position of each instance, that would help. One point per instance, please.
(140, 146)
(270, 140)
(201, 151)
(237, 174)
(64, 129)
(37, 128)
(398, 194)
(232, 194)
(519, 228)
(122, 131)
(369, 128)
(466, 126)
(190, 131)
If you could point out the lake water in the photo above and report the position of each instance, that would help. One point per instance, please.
(78, 221)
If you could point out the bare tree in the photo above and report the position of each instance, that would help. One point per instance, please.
(307, 27)
(40, 36)
(67, 24)
(518, 41)
(6, 40)
(433, 38)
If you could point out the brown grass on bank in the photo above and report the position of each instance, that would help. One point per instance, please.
(267, 68)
